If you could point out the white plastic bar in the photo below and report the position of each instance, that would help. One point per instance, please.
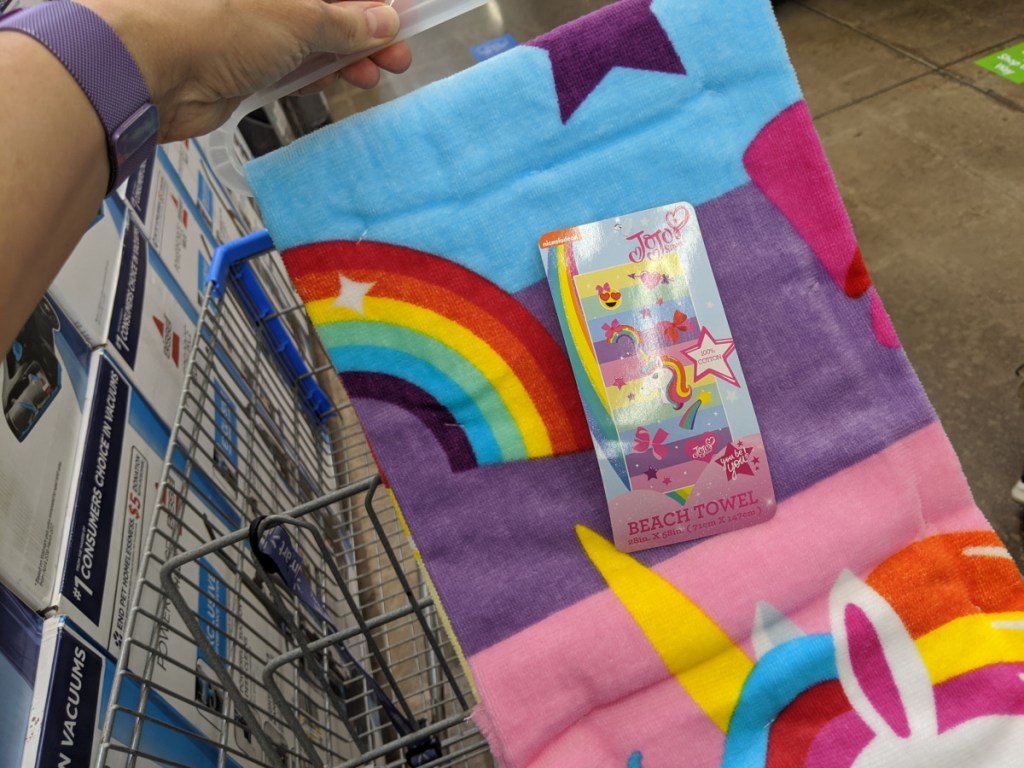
(415, 16)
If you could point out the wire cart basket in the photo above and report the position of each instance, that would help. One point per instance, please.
(280, 617)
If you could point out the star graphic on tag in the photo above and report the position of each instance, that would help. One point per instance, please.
(351, 294)
(736, 461)
(711, 355)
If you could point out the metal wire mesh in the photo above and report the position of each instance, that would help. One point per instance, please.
(333, 655)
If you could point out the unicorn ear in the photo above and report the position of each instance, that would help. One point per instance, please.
(771, 629)
(880, 668)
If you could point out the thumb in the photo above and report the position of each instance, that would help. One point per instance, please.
(351, 27)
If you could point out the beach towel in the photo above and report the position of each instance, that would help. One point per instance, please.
(875, 619)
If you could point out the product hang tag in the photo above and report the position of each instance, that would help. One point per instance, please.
(659, 374)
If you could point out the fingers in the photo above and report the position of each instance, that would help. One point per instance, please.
(351, 27)
(319, 85)
(366, 73)
(395, 58)
(362, 74)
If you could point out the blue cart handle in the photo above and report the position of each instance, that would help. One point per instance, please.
(229, 264)
(229, 254)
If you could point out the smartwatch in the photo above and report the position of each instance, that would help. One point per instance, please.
(106, 72)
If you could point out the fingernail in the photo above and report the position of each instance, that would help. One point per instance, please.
(381, 21)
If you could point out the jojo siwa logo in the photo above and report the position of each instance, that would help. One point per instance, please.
(702, 448)
(654, 245)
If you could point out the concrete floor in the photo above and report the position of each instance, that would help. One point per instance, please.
(928, 149)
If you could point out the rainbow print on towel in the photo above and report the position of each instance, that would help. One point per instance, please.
(468, 359)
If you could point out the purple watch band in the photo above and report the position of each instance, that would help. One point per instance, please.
(105, 70)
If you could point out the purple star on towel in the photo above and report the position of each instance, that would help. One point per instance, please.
(626, 34)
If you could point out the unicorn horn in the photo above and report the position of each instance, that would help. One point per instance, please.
(772, 629)
(709, 665)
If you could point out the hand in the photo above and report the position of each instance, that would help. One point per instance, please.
(200, 58)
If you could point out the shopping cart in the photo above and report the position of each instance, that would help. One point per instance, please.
(280, 618)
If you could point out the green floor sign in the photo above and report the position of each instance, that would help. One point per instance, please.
(1008, 63)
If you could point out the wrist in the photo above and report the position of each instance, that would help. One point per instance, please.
(176, 46)
(145, 38)
(106, 72)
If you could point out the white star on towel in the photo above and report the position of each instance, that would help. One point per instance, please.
(351, 294)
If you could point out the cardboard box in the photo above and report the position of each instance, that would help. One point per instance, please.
(299, 447)
(192, 712)
(288, 447)
(247, 434)
(118, 473)
(85, 284)
(269, 446)
(258, 640)
(152, 333)
(152, 324)
(43, 385)
(244, 204)
(19, 654)
(312, 694)
(218, 600)
(282, 295)
(72, 696)
(173, 225)
(197, 181)
(242, 439)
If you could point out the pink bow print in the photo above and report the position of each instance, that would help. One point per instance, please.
(671, 330)
(642, 442)
(610, 329)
